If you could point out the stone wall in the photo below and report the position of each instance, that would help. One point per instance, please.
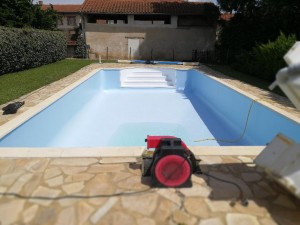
(163, 43)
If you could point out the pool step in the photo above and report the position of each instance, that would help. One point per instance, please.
(146, 73)
(146, 83)
(145, 78)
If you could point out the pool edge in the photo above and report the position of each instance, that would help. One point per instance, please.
(108, 152)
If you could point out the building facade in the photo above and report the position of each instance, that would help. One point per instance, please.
(148, 29)
(68, 23)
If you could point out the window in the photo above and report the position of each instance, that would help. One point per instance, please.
(71, 20)
(107, 19)
(152, 19)
(161, 19)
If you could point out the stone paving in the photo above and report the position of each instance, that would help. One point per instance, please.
(39, 188)
(207, 202)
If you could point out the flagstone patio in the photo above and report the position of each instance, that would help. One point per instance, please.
(208, 201)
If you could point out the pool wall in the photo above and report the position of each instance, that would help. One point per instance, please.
(264, 123)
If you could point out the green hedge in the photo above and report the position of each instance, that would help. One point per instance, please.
(22, 49)
(80, 50)
(265, 60)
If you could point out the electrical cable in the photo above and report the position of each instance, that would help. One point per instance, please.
(241, 197)
(16, 195)
(12, 194)
(242, 134)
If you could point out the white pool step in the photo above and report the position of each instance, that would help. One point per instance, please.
(147, 83)
(146, 73)
(142, 78)
(146, 78)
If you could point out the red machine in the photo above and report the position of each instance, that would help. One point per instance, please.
(171, 164)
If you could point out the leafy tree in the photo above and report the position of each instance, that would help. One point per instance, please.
(23, 13)
(281, 15)
(265, 60)
(16, 13)
(239, 6)
(80, 50)
(211, 12)
(256, 22)
(45, 19)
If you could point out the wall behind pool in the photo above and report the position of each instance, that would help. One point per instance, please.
(264, 123)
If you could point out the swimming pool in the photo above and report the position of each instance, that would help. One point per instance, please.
(103, 112)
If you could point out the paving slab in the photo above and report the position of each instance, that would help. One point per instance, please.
(109, 195)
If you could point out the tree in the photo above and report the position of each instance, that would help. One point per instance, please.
(23, 13)
(45, 19)
(257, 22)
(80, 50)
(265, 60)
(239, 6)
(16, 13)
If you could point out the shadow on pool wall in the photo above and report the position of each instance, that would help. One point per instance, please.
(233, 107)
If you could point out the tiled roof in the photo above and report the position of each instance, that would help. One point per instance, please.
(64, 8)
(144, 6)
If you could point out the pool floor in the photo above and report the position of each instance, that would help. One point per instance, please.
(146, 112)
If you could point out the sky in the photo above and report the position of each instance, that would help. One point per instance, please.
(81, 1)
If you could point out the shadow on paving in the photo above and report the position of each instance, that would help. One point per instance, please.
(240, 180)
(246, 182)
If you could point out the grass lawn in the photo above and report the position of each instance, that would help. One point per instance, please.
(263, 84)
(14, 85)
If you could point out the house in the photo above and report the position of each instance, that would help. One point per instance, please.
(68, 23)
(148, 29)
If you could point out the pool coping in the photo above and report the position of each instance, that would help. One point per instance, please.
(12, 152)
(124, 152)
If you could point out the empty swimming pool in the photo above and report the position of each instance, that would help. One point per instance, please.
(121, 107)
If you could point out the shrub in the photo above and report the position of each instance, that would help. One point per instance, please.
(80, 50)
(22, 49)
(266, 59)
